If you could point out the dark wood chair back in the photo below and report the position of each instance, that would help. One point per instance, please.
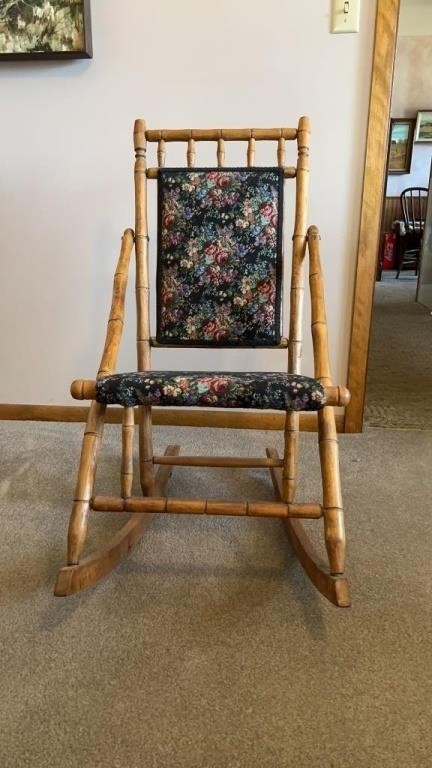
(413, 203)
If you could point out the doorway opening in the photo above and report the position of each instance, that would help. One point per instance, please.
(399, 377)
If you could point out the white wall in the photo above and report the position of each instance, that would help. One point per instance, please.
(66, 162)
(415, 17)
(412, 92)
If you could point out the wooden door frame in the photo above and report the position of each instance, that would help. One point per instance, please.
(387, 17)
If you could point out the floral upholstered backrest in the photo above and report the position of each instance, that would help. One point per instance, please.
(219, 270)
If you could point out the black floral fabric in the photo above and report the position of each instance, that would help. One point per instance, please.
(219, 256)
(271, 391)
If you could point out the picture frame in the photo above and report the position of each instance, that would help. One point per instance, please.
(423, 129)
(401, 138)
(32, 30)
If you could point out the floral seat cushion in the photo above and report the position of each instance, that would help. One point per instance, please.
(271, 391)
(219, 264)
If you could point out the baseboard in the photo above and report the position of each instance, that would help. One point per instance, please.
(173, 417)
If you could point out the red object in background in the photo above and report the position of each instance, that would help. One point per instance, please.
(389, 251)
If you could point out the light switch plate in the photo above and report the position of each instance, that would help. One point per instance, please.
(345, 16)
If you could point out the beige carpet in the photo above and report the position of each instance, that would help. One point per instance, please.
(209, 648)
(399, 382)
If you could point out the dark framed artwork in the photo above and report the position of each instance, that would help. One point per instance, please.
(45, 29)
(401, 144)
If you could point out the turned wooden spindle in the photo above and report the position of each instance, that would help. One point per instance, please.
(334, 529)
(161, 153)
(229, 134)
(174, 506)
(251, 152)
(142, 300)
(281, 152)
(78, 523)
(220, 152)
(126, 472)
(290, 471)
(191, 153)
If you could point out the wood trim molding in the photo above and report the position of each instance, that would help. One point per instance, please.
(373, 187)
(172, 417)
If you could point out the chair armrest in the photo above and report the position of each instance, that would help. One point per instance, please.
(116, 317)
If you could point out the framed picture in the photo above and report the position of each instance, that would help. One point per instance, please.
(401, 144)
(423, 129)
(45, 29)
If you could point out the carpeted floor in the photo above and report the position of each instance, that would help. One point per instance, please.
(209, 648)
(399, 382)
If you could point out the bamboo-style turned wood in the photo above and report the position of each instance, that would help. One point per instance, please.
(172, 506)
(299, 248)
(251, 152)
(290, 472)
(291, 438)
(142, 299)
(334, 530)
(281, 152)
(161, 152)
(220, 152)
(229, 134)
(216, 461)
(85, 389)
(333, 588)
(141, 248)
(116, 316)
(128, 427)
(86, 476)
(191, 153)
(91, 569)
(290, 172)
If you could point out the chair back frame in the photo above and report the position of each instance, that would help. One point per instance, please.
(413, 202)
(143, 136)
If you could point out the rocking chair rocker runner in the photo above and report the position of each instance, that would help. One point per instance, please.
(219, 276)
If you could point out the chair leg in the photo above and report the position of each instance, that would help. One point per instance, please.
(74, 578)
(334, 529)
(128, 428)
(334, 588)
(147, 477)
(289, 473)
(87, 469)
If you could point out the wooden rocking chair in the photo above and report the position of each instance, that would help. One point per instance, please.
(219, 284)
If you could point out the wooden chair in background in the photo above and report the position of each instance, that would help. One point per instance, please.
(217, 227)
(413, 202)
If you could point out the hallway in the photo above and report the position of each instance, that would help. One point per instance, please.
(399, 381)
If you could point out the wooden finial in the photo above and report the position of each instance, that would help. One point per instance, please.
(140, 137)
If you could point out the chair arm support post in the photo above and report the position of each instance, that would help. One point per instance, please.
(318, 313)
(116, 317)
(334, 529)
